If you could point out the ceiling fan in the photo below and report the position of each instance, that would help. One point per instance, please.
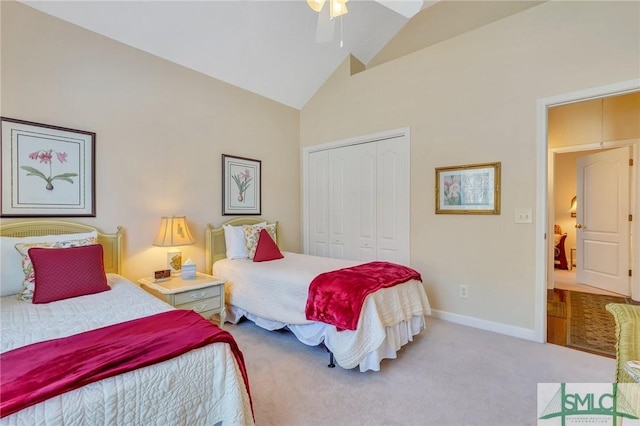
(336, 8)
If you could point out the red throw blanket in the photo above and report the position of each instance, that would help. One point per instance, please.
(36, 372)
(337, 297)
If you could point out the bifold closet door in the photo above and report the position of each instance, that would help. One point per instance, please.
(393, 195)
(359, 201)
(318, 176)
(352, 202)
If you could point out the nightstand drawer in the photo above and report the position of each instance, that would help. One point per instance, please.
(201, 306)
(195, 295)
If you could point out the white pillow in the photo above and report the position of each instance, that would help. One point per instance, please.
(235, 241)
(11, 273)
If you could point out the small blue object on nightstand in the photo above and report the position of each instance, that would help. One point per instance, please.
(188, 270)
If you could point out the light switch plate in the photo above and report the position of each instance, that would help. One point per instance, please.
(524, 216)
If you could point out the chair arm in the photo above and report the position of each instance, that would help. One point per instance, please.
(627, 319)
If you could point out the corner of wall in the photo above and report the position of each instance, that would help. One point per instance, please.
(355, 65)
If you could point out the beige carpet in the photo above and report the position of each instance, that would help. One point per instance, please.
(450, 375)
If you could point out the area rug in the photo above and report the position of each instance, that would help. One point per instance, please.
(591, 326)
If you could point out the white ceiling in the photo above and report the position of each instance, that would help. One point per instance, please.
(265, 46)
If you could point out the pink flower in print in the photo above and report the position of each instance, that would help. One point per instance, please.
(46, 157)
(62, 157)
(242, 180)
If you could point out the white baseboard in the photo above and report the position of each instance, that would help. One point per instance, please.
(496, 327)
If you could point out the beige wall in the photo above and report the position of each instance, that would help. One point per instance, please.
(161, 130)
(472, 99)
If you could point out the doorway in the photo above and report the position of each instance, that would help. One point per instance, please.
(544, 205)
(558, 212)
(576, 313)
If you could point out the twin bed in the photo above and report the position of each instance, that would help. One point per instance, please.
(273, 294)
(202, 386)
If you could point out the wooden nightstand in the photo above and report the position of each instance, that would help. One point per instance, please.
(204, 294)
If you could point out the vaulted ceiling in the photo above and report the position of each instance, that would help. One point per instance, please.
(269, 47)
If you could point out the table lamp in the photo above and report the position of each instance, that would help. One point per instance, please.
(173, 232)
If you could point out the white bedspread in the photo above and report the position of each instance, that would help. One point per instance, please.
(274, 294)
(203, 386)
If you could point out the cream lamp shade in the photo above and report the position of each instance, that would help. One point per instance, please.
(173, 232)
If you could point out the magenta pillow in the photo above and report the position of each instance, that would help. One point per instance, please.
(266, 249)
(62, 273)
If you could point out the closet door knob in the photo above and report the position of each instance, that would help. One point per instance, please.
(579, 225)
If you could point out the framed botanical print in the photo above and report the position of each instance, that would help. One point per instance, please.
(46, 170)
(241, 184)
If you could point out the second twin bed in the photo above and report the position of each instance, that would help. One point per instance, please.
(274, 295)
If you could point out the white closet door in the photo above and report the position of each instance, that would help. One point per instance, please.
(339, 159)
(393, 195)
(358, 200)
(363, 219)
(352, 202)
(318, 202)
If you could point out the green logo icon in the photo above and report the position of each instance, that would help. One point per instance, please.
(583, 402)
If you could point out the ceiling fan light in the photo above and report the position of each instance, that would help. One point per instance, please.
(316, 4)
(338, 8)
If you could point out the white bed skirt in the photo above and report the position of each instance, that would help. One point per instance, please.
(316, 333)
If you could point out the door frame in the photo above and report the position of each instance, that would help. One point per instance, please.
(545, 191)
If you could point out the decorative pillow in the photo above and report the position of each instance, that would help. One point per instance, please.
(29, 283)
(11, 273)
(252, 234)
(67, 272)
(266, 249)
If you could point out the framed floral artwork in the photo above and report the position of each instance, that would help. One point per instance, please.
(241, 182)
(46, 170)
(468, 189)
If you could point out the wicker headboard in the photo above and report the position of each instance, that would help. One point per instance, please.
(111, 243)
(215, 247)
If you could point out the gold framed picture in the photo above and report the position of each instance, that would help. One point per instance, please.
(468, 189)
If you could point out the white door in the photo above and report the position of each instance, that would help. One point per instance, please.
(393, 201)
(602, 220)
(338, 170)
(352, 202)
(318, 198)
(364, 216)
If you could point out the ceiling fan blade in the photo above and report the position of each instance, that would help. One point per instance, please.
(326, 26)
(406, 8)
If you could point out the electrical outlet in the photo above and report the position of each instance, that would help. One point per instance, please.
(463, 291)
